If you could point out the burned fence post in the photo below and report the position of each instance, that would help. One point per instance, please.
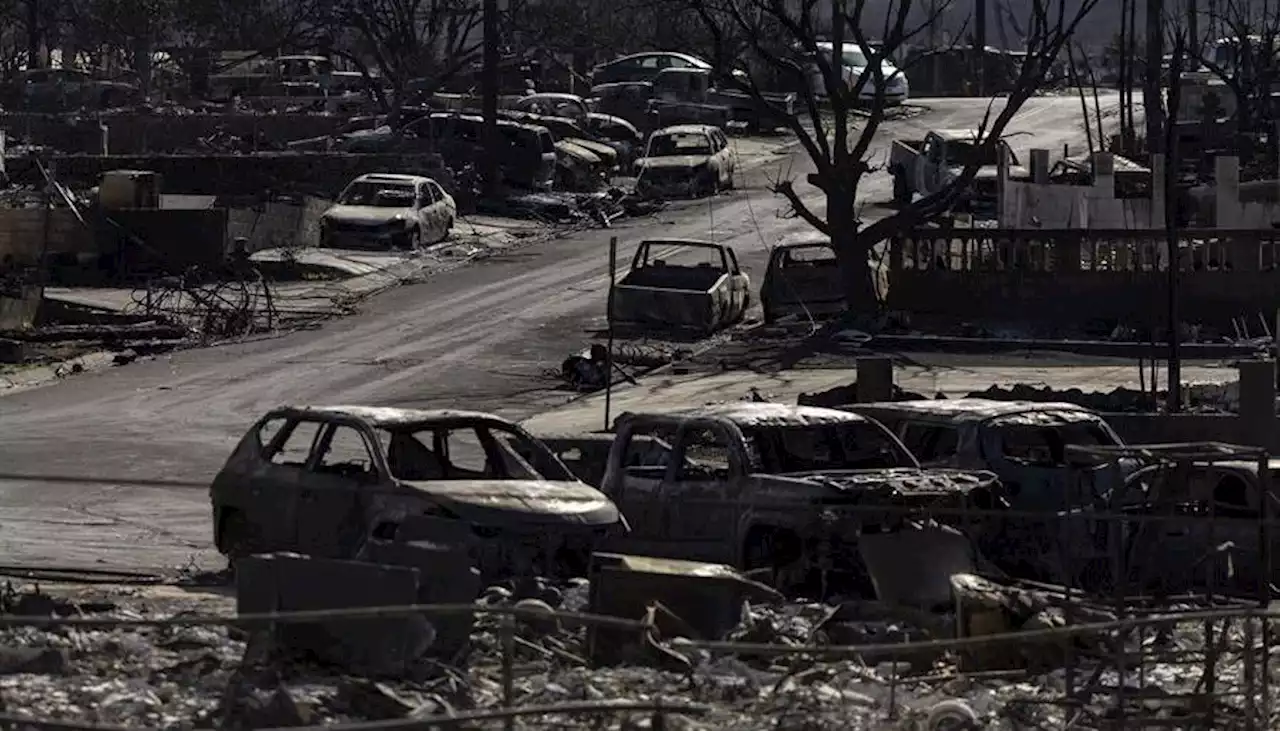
(608, 358)
(875, 380)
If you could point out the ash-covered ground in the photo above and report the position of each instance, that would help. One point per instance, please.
(180, 677)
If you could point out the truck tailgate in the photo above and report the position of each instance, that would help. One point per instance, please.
(678, 308)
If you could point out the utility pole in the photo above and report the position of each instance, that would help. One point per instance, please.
(1174, 376)
(980, 40)
(491, 169)
(1151, 96)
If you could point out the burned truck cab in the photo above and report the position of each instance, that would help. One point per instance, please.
(779, 488)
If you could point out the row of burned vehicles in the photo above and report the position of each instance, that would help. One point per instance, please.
(789, 492)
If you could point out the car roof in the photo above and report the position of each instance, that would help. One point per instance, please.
(385, 416)
(965, 409)
(390, 178)
(753, 413)
(805, 239)
(684, 129)
(646, 54)
(958, 133)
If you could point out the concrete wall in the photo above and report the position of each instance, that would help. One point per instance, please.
(165, 241)
(278, 224)
(22, 235)
(140, 133)
(320, 174)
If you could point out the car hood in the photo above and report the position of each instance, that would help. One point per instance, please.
(991, 172)
(672, 162)
(497, 502)
(600, 149)
(577, 151)
(366, 214)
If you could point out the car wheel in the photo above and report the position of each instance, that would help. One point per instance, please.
(237, 537)
(415, 239)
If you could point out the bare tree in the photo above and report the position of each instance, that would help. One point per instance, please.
(422, 41)
(784, 35)
(1245, 60)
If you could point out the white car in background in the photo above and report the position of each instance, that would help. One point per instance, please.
(896, 89)
(388, 210)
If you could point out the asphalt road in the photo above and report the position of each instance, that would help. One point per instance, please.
(76, 457)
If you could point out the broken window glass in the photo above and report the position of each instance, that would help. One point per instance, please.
(648, 450)
(297, 446)
(706, 455)
(346, 454)
(847, 446)
(459, 453)
(268, 430)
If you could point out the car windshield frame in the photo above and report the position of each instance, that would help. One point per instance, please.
(658, 148)
(374, 194)
(773, 448)
(519, 455)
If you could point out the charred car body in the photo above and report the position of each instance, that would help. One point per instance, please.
(927, 166)
(771, 486)
(1023, 443)
(389, 210)
(802, 279)
(689, 160)
(323, 480)
(707, 296)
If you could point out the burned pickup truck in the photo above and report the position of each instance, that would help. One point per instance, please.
(324, 480)
(710, 295)
(928, 166)
(771, 486)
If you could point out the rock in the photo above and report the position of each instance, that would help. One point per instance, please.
(124, 357)
(374, 701)
(537, 605)
(254, 709)
(32, 660)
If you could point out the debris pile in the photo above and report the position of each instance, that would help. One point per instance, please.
(1204, 398)
(178, 674)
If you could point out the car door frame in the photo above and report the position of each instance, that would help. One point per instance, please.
(426, 201)
(707, 529)
(349, 496)
(274, 518)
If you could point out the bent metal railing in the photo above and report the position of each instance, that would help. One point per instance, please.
(1104, 250)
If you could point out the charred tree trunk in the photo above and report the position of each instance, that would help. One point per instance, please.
(853, 253)
(33, 34)
(1151, 91)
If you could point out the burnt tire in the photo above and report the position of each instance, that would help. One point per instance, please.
(770, 548)
(237, 536)
(413, 241)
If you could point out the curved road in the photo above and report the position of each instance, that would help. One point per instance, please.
(76, 458)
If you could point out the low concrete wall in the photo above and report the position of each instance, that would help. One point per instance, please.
(142, 133)
(172, 240)
(22, 235)
(1174, 428)
(321, 174)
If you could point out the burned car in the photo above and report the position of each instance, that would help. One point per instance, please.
(691, 159)
(388, 210)
(803, 279)
(769, 486)
(323, 480)
(1024, 443)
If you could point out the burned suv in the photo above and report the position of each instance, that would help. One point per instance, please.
(321, 480)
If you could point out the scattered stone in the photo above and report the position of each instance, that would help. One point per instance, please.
(374, 701)
(32, 660)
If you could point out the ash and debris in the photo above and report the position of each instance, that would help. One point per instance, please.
(183, 677)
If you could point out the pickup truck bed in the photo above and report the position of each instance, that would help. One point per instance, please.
(701, 297)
